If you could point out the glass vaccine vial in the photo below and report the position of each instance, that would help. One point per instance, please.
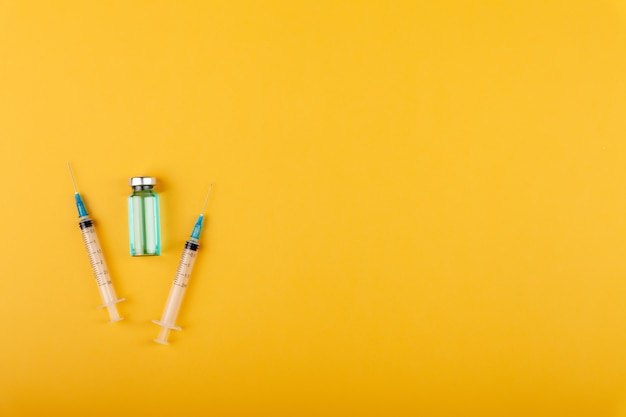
(143, 218)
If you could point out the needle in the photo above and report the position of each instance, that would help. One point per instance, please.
(207, 198)
(72, 176)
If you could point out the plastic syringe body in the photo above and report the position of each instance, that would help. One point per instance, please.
(179, 286)
(98, 264)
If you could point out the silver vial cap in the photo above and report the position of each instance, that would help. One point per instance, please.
(142, 181)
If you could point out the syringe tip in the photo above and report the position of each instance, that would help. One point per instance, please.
(197, 228)
(80, 206)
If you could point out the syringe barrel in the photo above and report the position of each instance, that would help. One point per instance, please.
(99, 267)
(177, 292)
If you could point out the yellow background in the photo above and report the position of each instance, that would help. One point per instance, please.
(419, 208)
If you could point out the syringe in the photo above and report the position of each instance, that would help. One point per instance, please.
(103, 279)
(175, 298)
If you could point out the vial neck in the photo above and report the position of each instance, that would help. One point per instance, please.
(142, 187)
